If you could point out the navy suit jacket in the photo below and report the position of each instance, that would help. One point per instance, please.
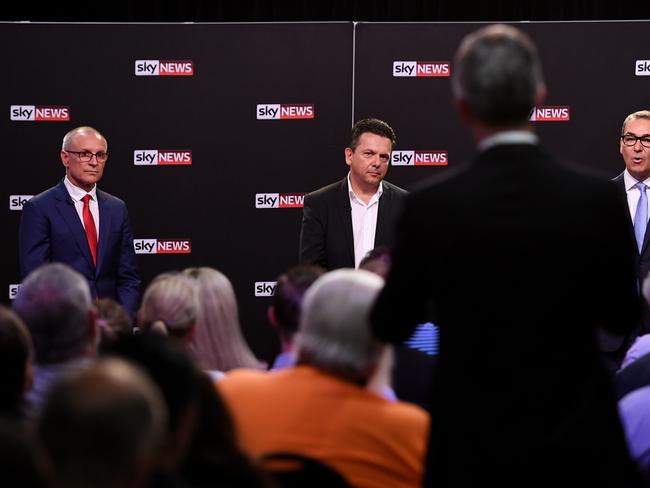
(326, 232)
(51, 231)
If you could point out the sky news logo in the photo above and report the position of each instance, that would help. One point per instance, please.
(642, 67)
(16, 202)
(285, 111)
(550, 114)
(155, 157)
(265, 288)
(39, 113)
(162, 246)
(421, 68)
(279, 200)
(419, 158)
(13, 290)
(155, 67)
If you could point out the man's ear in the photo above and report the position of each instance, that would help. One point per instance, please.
(540, 94)
(65, 158)
(348, 156)
(463, 110)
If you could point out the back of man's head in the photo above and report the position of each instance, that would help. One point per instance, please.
(103, 426)
(498, 75)
(54, 302)
(288, 297)
(335, 333)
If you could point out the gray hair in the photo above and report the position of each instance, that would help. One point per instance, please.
(335, 330)
(54, 302)
(497, 73)
(641, 114)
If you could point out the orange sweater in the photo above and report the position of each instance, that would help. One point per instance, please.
(372, 442)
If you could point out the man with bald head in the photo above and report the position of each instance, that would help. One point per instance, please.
(77, 224)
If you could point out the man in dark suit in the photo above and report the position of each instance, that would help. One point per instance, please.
(633, 183)
(517, 259)
(77, 224)
(343, 221)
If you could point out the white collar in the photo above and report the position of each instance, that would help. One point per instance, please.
(77, 193)
(508, 137)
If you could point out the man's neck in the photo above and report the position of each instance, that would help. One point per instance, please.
(482, 131)
(363, 192)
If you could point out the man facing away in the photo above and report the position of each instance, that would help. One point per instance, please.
(77, 224)
(343, 221)
(517, 259)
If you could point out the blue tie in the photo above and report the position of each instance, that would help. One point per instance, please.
(641, 215)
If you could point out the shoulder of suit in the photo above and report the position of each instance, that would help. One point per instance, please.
(332, 188)
(400, 192)
(108, 198)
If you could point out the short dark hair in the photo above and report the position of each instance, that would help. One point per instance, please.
(15, 350)
(374, 126)
(287, 299)
(377, 260)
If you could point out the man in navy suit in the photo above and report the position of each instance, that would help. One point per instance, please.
(517, 258)
(91, 233)
(343, 221)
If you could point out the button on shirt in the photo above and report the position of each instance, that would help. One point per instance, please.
(77, 194)
(364, 222)
(632, 192)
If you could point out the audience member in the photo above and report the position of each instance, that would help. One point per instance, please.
(54, 302)
(218, 344)
(284, 311)
(102, 427)
(112, 322)
(15, 365)
(517, 282)
(321, 408)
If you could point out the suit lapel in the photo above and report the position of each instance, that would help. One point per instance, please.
(66, 209)
(382, 214)
(104, 226)
(345, 217)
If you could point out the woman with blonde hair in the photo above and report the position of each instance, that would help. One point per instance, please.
(170, 307)
(218, 344)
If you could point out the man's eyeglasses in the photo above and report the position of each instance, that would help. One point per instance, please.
(86, 156)
(630, 140)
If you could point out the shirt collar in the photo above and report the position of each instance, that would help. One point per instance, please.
(77, 193)
(508, 137)
(376, 196)
(630, 180)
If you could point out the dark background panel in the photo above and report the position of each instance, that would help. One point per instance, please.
(90, 68)
(588, 66)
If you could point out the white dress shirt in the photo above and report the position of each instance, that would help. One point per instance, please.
(77, 194)
(364, 222)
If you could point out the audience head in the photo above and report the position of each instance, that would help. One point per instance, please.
(15, 361)
(172, 370)
(54, 302)
(170, 306)
(112, 322)
(103, 426)
(284, 312)
(218, 343)
(335, 333)
(378, 261)
(497, 76)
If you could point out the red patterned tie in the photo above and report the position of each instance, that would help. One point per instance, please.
(89, 224)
